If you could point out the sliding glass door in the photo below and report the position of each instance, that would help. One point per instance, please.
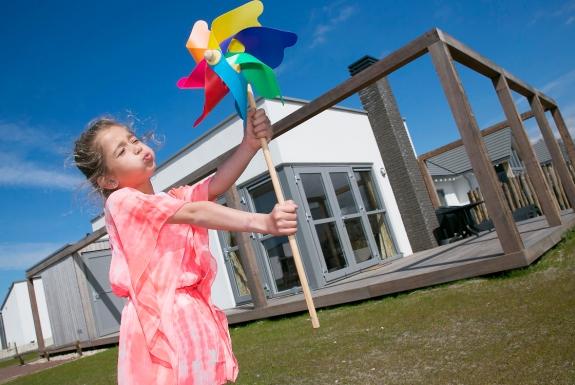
(346, 218)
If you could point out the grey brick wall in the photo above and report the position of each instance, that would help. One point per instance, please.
(415, 206)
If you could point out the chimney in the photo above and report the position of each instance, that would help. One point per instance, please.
(398, 155)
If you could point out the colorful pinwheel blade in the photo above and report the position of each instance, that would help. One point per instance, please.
(266, 44)
(197, 78)
(198, 40)
(259, 75)
(235, 82)
(214, 91)
(228, 24)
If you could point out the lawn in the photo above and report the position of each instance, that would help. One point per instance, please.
(511, 328)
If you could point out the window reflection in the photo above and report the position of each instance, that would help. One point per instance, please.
(281, 262)
(340, 182)
(316, 197)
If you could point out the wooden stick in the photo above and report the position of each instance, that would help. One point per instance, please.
(292, 241)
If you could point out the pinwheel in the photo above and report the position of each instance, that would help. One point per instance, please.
(237, 51)
(234, 56)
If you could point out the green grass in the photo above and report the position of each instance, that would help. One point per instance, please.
(28, 357)
(510, 328)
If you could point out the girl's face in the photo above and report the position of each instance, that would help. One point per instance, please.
(130, 163)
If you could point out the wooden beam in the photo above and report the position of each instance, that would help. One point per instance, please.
(565, 135)
(468, 57)
(549, 205)
(554, 150)
(247, 254)
(35, 315)
(429, 183)
(497, 209)
(487, 131)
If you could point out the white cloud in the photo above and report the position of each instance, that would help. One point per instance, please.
(15, 171)
(34, 156)
(557, 87)
(24, 255)
(566, 12)
(27, 137)
(560, 84)
(336, 13)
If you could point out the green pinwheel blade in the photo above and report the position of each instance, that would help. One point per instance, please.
(259, 75)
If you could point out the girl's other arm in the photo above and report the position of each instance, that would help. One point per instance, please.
(258, 126)
(281, 221)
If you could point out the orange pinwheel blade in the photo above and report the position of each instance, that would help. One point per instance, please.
(198, 40)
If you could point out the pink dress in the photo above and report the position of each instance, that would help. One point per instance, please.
(170, 333)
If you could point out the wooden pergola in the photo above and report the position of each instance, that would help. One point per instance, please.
(444, 51)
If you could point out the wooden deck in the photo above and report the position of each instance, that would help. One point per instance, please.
(470, 257)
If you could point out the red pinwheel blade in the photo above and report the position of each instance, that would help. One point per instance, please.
(214, 91)
(196, 79)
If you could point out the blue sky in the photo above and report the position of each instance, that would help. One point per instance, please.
(63, 63)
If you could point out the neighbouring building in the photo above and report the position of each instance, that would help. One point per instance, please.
(17, 324)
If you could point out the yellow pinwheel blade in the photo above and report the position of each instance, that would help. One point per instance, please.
(198, 40)
(232, 22)
(235, 46)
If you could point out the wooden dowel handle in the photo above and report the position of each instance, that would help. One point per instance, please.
(291, 238)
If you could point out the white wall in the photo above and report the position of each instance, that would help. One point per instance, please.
(334, 136)
(17, 315)
(456, 188)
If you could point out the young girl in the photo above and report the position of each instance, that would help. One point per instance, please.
(170, 331)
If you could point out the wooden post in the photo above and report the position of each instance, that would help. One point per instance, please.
(560, 188)
(553, 182)
(429, 183)
(550, 207)
(564, 132)
(247, 254)
(35, 315)
(18, 355)
(554, 150)
(499, 213)
(526, 189)
(508, 196)
(292, 241)
(532, 189)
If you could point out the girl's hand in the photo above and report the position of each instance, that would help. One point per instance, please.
(283, 219)
(257, 126)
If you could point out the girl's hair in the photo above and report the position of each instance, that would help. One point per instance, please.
(88, 154)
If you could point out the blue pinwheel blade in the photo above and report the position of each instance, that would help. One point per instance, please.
(236, 83)
(266, 44)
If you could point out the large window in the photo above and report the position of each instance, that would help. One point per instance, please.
(343, 228)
